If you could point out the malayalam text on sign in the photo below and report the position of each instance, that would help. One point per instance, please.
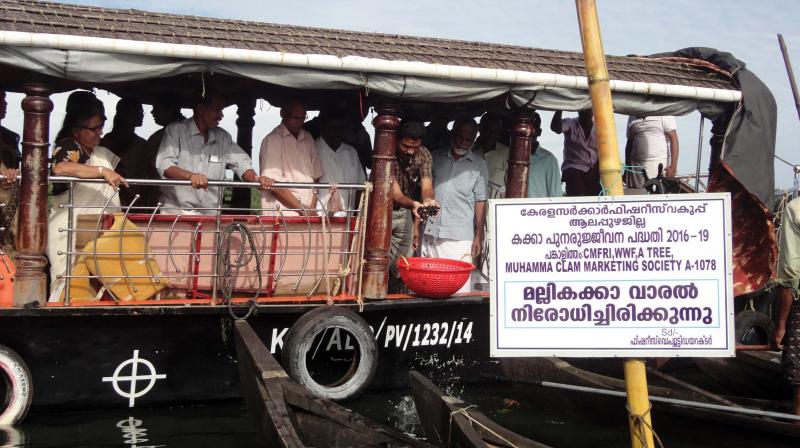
(622, 276)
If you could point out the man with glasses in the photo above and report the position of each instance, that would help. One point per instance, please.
(197, 149)
(288, 154)
(460, 181)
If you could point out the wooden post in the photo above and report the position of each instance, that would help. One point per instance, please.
(245, 111)
(596, 71)
(611, 178)
(31, 281)
(519, 156)
(379, 218)
(790, 73)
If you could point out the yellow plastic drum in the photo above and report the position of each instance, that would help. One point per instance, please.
(121, 265)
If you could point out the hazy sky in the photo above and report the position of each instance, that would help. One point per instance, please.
(745, 28)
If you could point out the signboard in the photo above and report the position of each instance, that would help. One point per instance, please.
(632, 276)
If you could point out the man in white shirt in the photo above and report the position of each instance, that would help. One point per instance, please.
(288, 155)
(197, 149)
(339, 161)
(652, 141)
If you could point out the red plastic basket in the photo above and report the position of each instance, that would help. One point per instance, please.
(434, 277)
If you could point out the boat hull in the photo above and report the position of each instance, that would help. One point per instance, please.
(85, 357)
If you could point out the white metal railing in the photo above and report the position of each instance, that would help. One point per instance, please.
(128, 252)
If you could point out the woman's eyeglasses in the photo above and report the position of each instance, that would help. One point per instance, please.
(96, 129)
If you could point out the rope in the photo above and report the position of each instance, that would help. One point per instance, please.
(463, 411)
(230, 268)
(637, 169)
(639, 422)
(362, 229)
(325, 236)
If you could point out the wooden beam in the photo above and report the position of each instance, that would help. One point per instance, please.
(519, 155)
(245, 111)
(379, 218)
(31, 282)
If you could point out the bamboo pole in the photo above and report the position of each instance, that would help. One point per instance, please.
(789, 72)
(600, 90)
(611, 178)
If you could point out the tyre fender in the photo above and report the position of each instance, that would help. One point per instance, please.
(19, 387)
(748, 320)
(299, 341)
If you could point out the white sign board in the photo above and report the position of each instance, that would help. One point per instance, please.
(633, 276)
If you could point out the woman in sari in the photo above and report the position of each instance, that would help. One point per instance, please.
(78, 154)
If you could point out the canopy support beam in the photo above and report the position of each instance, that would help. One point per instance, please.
(30, 284)
(519, 156)
(245, 112)
(379, 218)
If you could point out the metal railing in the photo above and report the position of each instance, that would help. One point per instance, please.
(131, 252)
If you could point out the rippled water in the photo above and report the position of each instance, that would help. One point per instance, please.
(556, 418)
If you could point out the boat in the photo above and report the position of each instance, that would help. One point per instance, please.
(757, 374)
(450, 422)
(669, 395)
(81, 351)
(287, 415)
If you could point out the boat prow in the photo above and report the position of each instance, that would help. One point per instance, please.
(450, 422)
(287, 415)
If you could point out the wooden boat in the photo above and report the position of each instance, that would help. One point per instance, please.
(751, 373)
(287, 415)
(450, 422)
(678, 395)
(143, 54)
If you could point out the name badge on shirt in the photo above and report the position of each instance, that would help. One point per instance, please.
(213, 158)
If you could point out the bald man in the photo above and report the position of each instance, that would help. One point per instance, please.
(288, 154)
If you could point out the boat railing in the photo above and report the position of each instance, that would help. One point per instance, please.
(132, 253)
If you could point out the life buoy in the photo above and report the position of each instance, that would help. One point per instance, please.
(300, 340)
(752, 327)
(19, 388)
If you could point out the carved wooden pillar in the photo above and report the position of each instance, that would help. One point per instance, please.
(379, 218)
(31, 281)
(245, 110)
(519, 155)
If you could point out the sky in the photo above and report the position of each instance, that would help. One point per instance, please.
(745, 28)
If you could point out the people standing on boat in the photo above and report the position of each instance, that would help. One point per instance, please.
(78, 100)
(787, 323)
(489, 128)
(460, 182)
(124, 142)
(436, 133)
(355, 134)
(166, 110)
(580, 170)
(288, 155)
(9, 193)
(339, 162)
(197, 149)
(544, 175)
(412, 187)
(78, 154)
(651, 141)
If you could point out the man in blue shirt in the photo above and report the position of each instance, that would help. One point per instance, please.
(544, 175)
(460, 183)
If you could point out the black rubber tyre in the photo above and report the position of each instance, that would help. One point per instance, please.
(300, 340)
(19, 387)
(752, 328)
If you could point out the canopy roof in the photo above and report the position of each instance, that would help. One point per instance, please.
(83, 43)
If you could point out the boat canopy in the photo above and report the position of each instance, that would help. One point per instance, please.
(123, 50)
(112, 46)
